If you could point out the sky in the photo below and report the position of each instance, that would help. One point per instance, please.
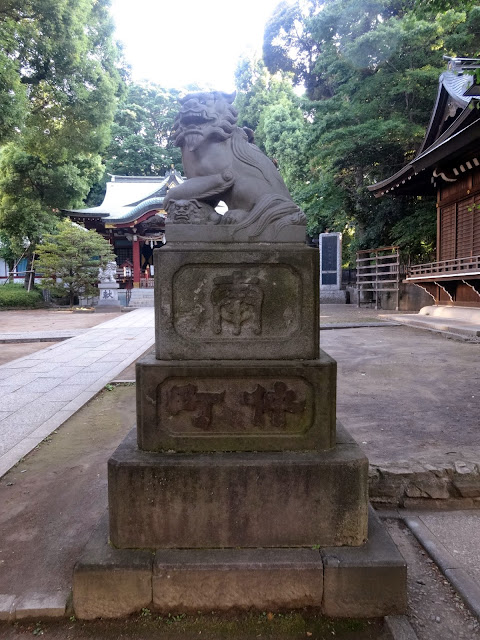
(189, 41)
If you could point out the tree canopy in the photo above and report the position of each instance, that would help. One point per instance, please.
(370, 71)
(59, 85)
(141, 130)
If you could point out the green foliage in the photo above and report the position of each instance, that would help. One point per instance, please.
(267, 104)
(141, 132)
(140, 144)
(14, 295)
(59, 87)
(69, 260)
(370, 71)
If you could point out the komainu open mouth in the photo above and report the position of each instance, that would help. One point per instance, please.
(194, 118)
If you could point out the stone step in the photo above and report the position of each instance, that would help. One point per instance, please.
(141, 303)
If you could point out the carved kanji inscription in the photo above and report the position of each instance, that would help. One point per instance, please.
(237, 299)
(275, 404)
(256, 406)
(188, 398)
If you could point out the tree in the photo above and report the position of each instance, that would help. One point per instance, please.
(267, 104)
(69, 259)
(141, 131)
(60, 85)
(370, 71)
(140, 137)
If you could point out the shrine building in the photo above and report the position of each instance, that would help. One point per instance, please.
(132, 219)
(448, 166)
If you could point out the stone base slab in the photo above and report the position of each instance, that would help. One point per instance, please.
(111, 583)
(230, 233)
(226, 579)
(234, 405)
(333, 296)
(217, 500)
(369, 581)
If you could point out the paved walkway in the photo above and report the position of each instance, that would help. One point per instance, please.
(40, 391)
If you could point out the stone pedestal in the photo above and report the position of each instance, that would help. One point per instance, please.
(238, 489)
(236, 301)
(236, 405)
(108, 297)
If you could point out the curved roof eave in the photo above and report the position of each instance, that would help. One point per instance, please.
(405, 173)
(131, 214)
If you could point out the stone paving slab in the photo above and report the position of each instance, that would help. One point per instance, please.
(40, 391)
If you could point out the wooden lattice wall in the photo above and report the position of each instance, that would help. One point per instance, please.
(459, 218)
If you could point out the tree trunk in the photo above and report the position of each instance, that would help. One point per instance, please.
(29, 280)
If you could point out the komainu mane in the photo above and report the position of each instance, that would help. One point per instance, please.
(222, 163)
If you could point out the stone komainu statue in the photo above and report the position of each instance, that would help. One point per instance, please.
(109, 273)
(222, 163)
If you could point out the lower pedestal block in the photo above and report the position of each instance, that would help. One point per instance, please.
(368, 581)
(225, 500)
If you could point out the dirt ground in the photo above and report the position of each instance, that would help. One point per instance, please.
(404, 394)
(9, 352)
(49, 319)
(148, 625)
(60, 489)
(435, 612)
(407, 395)
(51, 501)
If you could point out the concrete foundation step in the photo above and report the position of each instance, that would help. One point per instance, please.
(142, 298)
(363, 581)
(459, 322)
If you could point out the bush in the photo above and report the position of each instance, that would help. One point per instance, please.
(15, 295)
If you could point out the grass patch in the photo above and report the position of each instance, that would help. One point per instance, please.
(294, 625)
(15, 296)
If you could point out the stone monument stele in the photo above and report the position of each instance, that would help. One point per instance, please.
(330, 247)
(238, 489)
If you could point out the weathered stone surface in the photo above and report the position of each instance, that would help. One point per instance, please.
(236, 406)
(37, 605)
(231, 233)
(236, 302)
(222, 163)
(285, 499)
(223, 579)
(367, 581)
(110, 583)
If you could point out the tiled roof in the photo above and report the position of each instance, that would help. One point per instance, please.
(128, 197)
(461, 127)
(456, 85)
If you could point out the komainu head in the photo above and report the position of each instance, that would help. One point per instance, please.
(203, 116)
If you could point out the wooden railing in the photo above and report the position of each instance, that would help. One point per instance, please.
(378, 272)
(445, 268)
